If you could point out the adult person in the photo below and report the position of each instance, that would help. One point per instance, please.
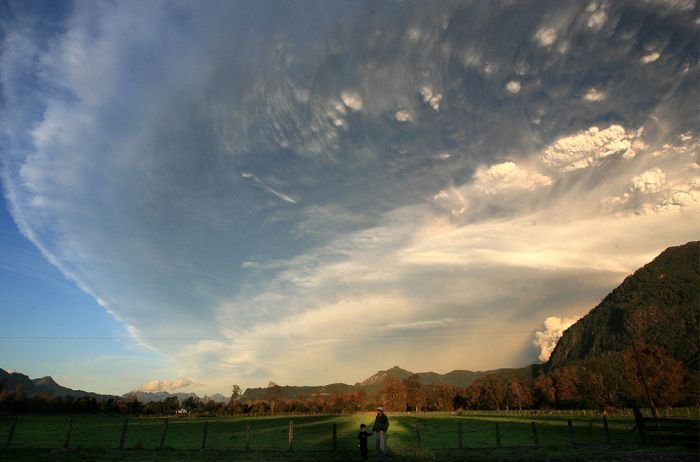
(380, 427)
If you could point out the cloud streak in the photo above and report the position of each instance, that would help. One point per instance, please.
(166, 385)
(256, 180)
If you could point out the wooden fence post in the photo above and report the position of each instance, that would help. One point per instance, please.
(639, 420)
(163, 434)
(335, 437)
(122, 439)
(498, 435)
(11, 434)
(534, 435)
(247, 437)
(605, 426)
(204, 435)
(291, 434)
(570, 424)
(66, 444)
(459, 433)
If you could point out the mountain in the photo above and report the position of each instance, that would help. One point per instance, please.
(293, 392)
(149, 396)
(459, 378)
(217, 398)
(659, 304)
(12, 381)
(378, 378)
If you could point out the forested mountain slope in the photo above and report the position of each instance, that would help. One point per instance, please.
(658, 305)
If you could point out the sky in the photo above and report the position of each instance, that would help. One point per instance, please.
(201, 194)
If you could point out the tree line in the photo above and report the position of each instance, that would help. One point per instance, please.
(606, 382)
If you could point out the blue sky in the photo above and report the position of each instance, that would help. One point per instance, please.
(199, 194)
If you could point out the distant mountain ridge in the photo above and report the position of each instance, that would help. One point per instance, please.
(149, 396)
(12, 381)
(658, 304)
(459, 378)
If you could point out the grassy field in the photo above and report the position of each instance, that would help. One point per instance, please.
(411, 437)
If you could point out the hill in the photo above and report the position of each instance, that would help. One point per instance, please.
(149, 396)
(12, 381)
(659, 304)
(294, 392)
(459, 378)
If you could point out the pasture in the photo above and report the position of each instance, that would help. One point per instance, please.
(476, 436)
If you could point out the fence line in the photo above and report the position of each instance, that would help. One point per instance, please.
(416, 435)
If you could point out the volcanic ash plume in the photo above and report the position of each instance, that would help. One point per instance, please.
(554, 328)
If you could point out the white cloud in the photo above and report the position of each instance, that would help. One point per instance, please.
(166, 385)
(597, 19)
(650, 181)
(506, 177)
(650, 57)
(546, 36)
(430, 97)
(513, 87)
(547, 339)
(424, 325)
(588, 147)
(593, 96)
(351, 99)
(670, 184)
(258, 181)
(402, 115)
(489, 69)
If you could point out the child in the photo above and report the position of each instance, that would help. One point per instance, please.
(362, 436)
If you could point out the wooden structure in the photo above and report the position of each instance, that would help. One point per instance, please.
(669, 432)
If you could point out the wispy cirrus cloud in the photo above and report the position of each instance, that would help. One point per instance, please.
(256, 180)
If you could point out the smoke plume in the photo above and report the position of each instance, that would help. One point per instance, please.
(166, 385)
(554, 328)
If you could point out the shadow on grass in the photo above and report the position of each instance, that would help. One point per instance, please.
(552, 454)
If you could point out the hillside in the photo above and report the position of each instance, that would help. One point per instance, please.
(12, 381)
(659, 304)
(294, 392)
(459, 378)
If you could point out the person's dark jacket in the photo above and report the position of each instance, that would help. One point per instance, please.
(381, 423)
(362, 436)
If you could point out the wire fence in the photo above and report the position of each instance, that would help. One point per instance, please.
(481, 429)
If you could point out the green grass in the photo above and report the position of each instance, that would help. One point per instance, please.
(611, 454)
(38, 438)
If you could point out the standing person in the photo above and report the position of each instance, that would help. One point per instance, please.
(381, 426)
(362, 436)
